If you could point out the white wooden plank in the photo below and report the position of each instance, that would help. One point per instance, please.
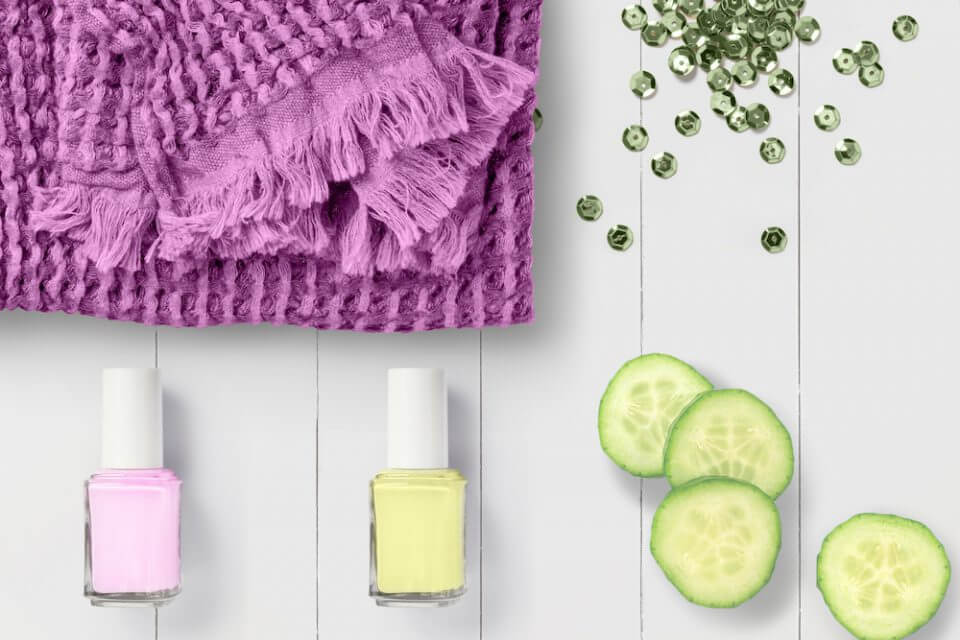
(241, 431)
(714, 297)
(50, 394)
(352, 449)
(879, 288)
(561, 524)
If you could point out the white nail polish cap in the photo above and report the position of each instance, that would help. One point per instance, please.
(132, 427)
(416, 419)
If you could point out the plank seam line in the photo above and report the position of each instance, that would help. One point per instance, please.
(481, 483)
(643, 288)
(316, 481)
(799, 356)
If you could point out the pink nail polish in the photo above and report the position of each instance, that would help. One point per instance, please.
(132, 534)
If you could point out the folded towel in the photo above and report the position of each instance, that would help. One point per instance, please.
(341, 164)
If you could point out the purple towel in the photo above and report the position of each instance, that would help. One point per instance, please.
(340, 164)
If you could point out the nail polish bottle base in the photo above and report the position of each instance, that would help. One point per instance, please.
(133, 600)
(418, 600)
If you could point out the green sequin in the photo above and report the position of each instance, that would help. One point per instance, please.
(793, 5)
(709, 57)
(682, 61)
(872, 76)
(709, 22)
(764, 58)
(620, 237)
(757, 28)
(758, 116)
(773, 151)
(691, 7)
(781, 82)
(664, 5)
(590, 208)
(905, 28)
(664, 165)
(719, 79)
(674, 23)
(723, 103)
(785, 17)
(634, 17)
(845, 61)
(738, 120)
(736, 46)
(761, 7)
(780, 36)
(827, 118)
(744, 74)
(848, 152)
(655, 34)
(868, 54)
(774, 240)
(808, 29)
(643, 84)
(537, 119)
(687, 123)
(694, 38)
(734, 7)
(635, 138)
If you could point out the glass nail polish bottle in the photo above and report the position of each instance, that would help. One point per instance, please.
(417, 534)
(132, 533)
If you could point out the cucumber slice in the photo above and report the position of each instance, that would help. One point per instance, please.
(883, 577)
(638, 407)
(730, 433)
(717, 540)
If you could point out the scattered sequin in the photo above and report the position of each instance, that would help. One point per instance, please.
(773, 151)
(781, 82)
(848, 152)
(758, 116)
(827, 117)
(682, 61)
(664, 165)
(688, 123)
(808, 29)
(774, 240)
(868, 53)
(620, 237)
(723, 102)
(872, 76)
(643, 84)
(905, 28)
(635, 138)
(738, 120)
(634, 17)
(845, 61)
(590, 208)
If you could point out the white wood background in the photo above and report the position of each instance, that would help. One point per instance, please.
(850, 335)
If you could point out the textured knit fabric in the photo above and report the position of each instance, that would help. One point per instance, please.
(340, 164)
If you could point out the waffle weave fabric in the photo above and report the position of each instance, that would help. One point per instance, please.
(338, 164)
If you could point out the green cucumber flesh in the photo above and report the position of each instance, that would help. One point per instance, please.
(640, 403)
(882, 577)
(717, 540)
(730, 433)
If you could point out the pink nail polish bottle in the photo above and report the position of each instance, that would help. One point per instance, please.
(132, 533)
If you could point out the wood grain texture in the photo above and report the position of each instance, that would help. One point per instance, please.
(714, 297)
(352, 446)
(879, 281)
(561, 524)
(50, 368)
(277, 431)
(240, 421)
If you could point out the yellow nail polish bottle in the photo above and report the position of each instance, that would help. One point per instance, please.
(417, 550)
